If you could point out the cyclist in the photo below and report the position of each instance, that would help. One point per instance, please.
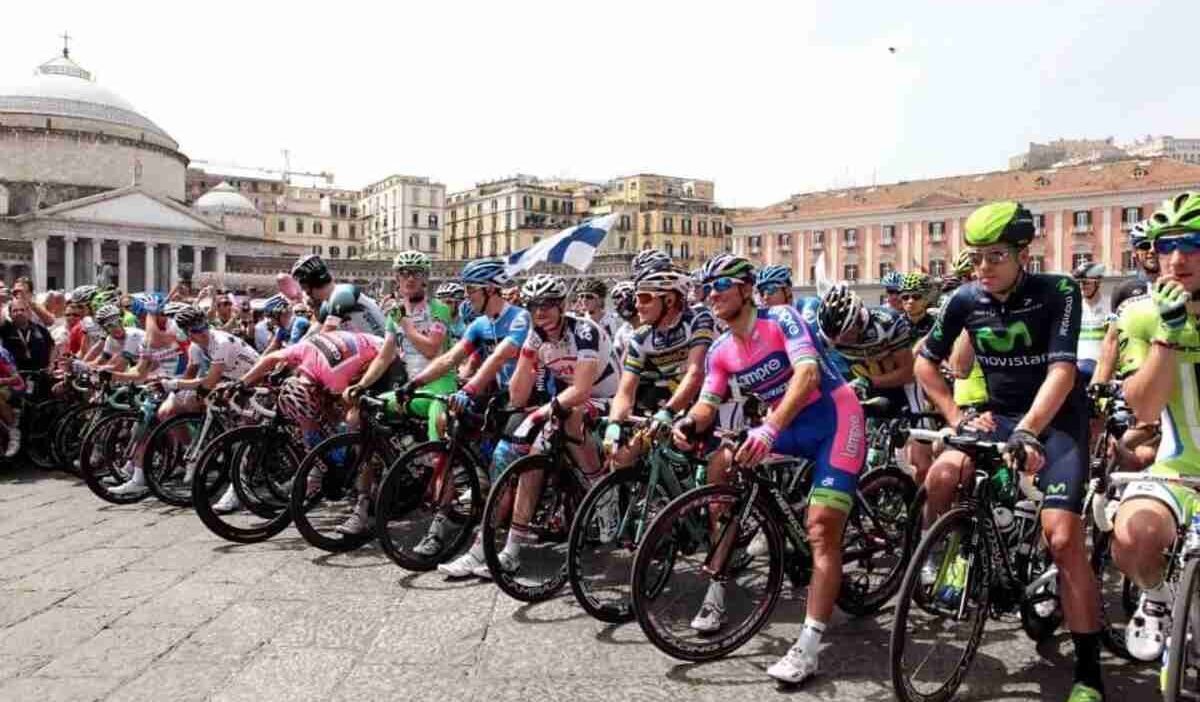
(664, 361)
(775, 354)
(1148, 268)
(1161, 329)
(649, 259)
(341, 306)
(915, 291)
(453, 296)
(589, 300)
(577, 354)
(774, 285)
(1024, 328)
(1094, 319)
(290, 328)
(891, 286)
(623, 301)
(876, 342)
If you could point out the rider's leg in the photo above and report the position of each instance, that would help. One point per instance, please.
(586, 455)
(941, 483)
(711, 616)
(920, 457)
(1142, 531)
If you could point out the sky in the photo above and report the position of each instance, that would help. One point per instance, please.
(766, 99)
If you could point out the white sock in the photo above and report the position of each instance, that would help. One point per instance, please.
(476, 549)
(810, 636)
(716, 594)
(139, 475)
(517, 536)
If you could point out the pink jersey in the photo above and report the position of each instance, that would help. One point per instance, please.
(334, 359)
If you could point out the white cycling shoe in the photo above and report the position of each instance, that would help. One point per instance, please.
(462, 567)
(711, 616)
(1146, 634)
(796, 666)
(508, 564)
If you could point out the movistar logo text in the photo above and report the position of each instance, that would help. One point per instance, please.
(1064, 286)
(1057, 489)
(1003, 340)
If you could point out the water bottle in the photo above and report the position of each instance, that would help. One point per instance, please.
(1026, 514)
(874, 458)
(1193, 538)
(1005, 522)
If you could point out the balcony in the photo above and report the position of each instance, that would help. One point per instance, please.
(849, 243)
(888, 241)
(1082, 228)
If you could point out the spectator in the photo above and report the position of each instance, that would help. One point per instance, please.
(28, 341)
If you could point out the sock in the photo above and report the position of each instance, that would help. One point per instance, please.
(362, 506)
(810, 636)
(716, 594)
(437, 527)
(139, 475)
(1087, 660)
(518, 535)
(476, 550)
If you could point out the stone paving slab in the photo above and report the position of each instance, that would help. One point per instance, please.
(140, 603)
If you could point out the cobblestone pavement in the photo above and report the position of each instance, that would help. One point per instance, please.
(140, 602)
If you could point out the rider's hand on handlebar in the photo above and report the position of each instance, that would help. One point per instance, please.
(661, 421)
(1023, 450)
(982, 423)
(759, 442)
(683, 433)
(612, 435)
(351, 394)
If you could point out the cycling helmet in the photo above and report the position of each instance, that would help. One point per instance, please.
(595, 286)
(650, 259)
(487, 271)
(300, 399)
(106, 296)
(950, 283)
(276, 305)
(83, 294)
(191, 319)
(1137, 234)
(108, 316)
(412, 259)
(916, 282)
(1179, 215)
(669, 279)
(1004, 222)
(311, 272)
(452, 291)
(841, 309)
(774, 275)
(962, 264)
(145, 303)
(1088, 269)
(173, 308)
(622, 296)
(544, 288)
(892, 281)
(726, 265)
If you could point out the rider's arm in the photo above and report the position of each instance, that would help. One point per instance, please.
(962, 356)
(901, 375)
(806, 377)
(622, 403)
(581, 387)
(138, 374)
(936, 388)
(380, 364)
(1109, 350)
(94, 353)
(939, 344)
(505, 351)
(266, 364)
(428, 344)
(692, 379)
(523, 377)
(444, 363)
(1060, 378)
(1149, 388)
(1066, 309)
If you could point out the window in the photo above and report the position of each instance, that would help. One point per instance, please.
(937, 268)
(353, 231)
(850, 237)
(755, 244)
(1039, 225)
(1083, 221)
(687, 226)
(1080, 258)
(668, 224)
(887, 237)
(624, 224)
(507, 221)
(333, 229)
(527, 202)
(1130, 216)
(850, 272)
(683, 250)
(299, 226)
(812, 272)
(886, 267)
(937, 231)
(704, 227)
(542, 204)
(351, 251)
(1127, 264)
(416, 219)
(433, 242)
(334, 252)
(645, 223)
(784, 241)
(317, 228)
(621, 241)
(670, 247)
(1037, 264)
(494, 205)
(316, 250)
(508, 202)
(554, 206)
(433, 221)
(282, 226)
(818, 238)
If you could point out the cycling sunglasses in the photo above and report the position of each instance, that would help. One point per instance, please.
(645, 298)
(993, 257)
(913, 297)
(411, 273)
(587, 296)
(543, 305)
(769, 288)
(721, 285)
(1187, 244)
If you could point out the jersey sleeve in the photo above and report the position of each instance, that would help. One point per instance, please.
(703, 329)
(533, 343)
(946, 329)
(112, 347)
(439, 312)
(635, 355)
(796, 334)
(300, 327)
(587, 340)
(716, 377)
(1066, 310)
(343, 300)
(519, 329)
(474, 333)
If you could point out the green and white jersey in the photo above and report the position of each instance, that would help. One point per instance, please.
(1093, 325)
(427, 316)
(1180, 447)
(1136, 327)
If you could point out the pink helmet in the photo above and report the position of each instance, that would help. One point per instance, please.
(300, 399)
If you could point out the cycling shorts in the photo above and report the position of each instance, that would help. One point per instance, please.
(1064, 476)
(832, 433)
(1181, 500)
(423, 407)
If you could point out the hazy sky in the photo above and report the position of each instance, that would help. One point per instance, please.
(766, 99)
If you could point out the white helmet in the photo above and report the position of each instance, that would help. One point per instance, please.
(669, 279)
(841, 309)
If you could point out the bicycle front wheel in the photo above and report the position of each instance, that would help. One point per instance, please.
(104, 456)
(877, 542)
(332, 479)
(168, 474)
(1182, 673)
(949, 580)
(677, 574)
(237, 482)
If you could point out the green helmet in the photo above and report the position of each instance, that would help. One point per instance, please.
(962, 264)
(412, 259)
(916, 282)
(1179, 215)
(1000, 223)
(104, 297)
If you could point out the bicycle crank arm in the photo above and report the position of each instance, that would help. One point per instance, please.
(1042, 581)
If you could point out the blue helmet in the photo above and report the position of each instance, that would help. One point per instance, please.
(1137, 235)
(774, 275)
(892, 281)
(276, 305)
(488, 271)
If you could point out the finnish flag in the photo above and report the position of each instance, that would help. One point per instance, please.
(575, 246)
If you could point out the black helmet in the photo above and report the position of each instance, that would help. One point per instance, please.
(311, 272)
(594, 286)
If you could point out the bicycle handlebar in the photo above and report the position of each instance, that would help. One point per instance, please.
(1124, 478)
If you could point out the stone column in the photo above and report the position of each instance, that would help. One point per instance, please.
(221, 265)
(197, 261)
(40, 263)
(174, 278)
(123, 266)
(149, 267)
(97, 256)
(68, 262)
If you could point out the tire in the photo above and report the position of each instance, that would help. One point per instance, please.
(316, 513)
(669, 585)
(600, 571)
(1038, 626)
(877, 545)
(543, 569)
(40, 422)
(960, 520)
(228, 459)
(1113, 586)
(408, 502)
(68, 437)
(1184, 654)
(166, 470)
(103, 454)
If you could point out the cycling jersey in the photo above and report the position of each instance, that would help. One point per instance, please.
(830, 428)
(609, 322)
(92, 331)
(237, 356)
(427, 317)
(621, 339)
(1129, 290)
(8, 369)
(358, 312)
(293, 333)
(129, 346)
(333, 359)
(810, 309)
(581, 340)
(659, 356)
(484, 334)
(263, 335)
(885, 332)
(1093, 325)
(921, 327)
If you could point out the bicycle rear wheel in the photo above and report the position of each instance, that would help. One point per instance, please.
(256, 462)
(1181, 677)
(672, 573)
(542, 562)
(103, 456)
(68, 437)
(327, 490)
(38, 434)
(877, 543)
(934, 643)
(167, 474)
(428, 492)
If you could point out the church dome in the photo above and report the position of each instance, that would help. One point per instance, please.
(224, 198)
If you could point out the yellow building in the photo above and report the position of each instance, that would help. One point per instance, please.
(499, 217)
(676, 215)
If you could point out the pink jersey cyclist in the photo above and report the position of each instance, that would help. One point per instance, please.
(830, 429)
(333, 359)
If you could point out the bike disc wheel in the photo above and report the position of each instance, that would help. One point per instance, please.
(932, 645)
(428, 491)
(670, 582)
(877, 543)
(542, 569)
(326, 490)
(167, 473)
(241, 459)
(1181, 678)
(103, 455)
(38, 434)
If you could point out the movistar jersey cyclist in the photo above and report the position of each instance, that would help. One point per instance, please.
(1163, 330)
(1024, 328)
(774, 353)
